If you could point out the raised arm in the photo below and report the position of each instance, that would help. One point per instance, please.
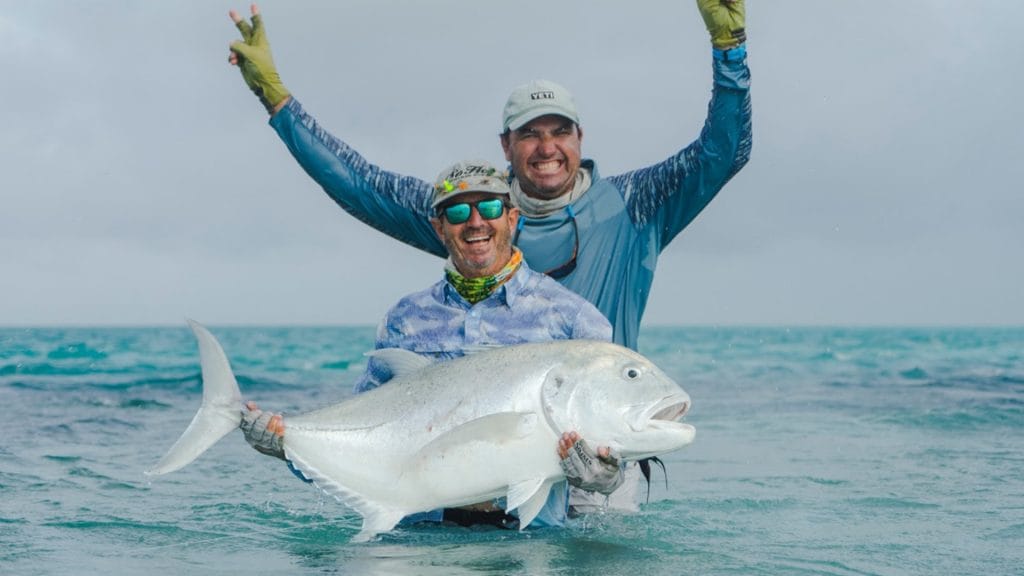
(252, 56)
(392, 203)
(673, 192)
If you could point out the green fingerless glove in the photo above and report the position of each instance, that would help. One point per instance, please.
(257, 65)
(725, 22)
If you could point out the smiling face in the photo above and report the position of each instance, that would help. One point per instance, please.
(478, 247)
(545, 155)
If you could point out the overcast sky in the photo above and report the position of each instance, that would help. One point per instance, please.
(141, 184)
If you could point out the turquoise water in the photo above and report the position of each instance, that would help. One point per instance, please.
(818, 451)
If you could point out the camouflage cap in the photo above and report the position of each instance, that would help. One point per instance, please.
(469, 176)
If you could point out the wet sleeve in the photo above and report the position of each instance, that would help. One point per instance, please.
(396, 205)
(671, 194)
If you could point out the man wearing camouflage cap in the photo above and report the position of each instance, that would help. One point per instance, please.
(488, 297)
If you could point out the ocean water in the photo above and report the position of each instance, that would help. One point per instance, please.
(818, 451)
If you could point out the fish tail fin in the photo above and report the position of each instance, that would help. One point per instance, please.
(220, 412)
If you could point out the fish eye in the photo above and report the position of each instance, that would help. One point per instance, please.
(631, 373)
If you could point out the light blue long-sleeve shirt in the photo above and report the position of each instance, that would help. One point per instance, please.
(624, 221)
(440, 324)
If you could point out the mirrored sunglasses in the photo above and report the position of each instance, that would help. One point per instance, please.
(488, 209)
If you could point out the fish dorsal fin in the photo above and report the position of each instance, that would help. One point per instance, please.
(400, 361)
(496, 428)
(528, 498)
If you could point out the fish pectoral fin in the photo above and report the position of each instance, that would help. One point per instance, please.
(494, 428)
(528, 497)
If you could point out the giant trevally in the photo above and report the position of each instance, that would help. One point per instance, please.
(458, 432)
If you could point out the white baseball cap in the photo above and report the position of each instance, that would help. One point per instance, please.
(535, 99)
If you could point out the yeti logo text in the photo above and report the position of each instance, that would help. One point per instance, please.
(545, 95)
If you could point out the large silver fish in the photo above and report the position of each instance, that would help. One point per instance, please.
(458, 432)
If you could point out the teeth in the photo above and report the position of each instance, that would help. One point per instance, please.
(546, 166)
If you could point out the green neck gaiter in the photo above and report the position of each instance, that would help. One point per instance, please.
(477, 289)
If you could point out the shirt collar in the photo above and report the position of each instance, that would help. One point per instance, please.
(506, 293)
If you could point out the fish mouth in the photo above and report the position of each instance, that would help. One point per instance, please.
(664, 413)
(656, 429)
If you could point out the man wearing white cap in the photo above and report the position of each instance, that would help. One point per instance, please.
(598, 236)
(488, 297)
